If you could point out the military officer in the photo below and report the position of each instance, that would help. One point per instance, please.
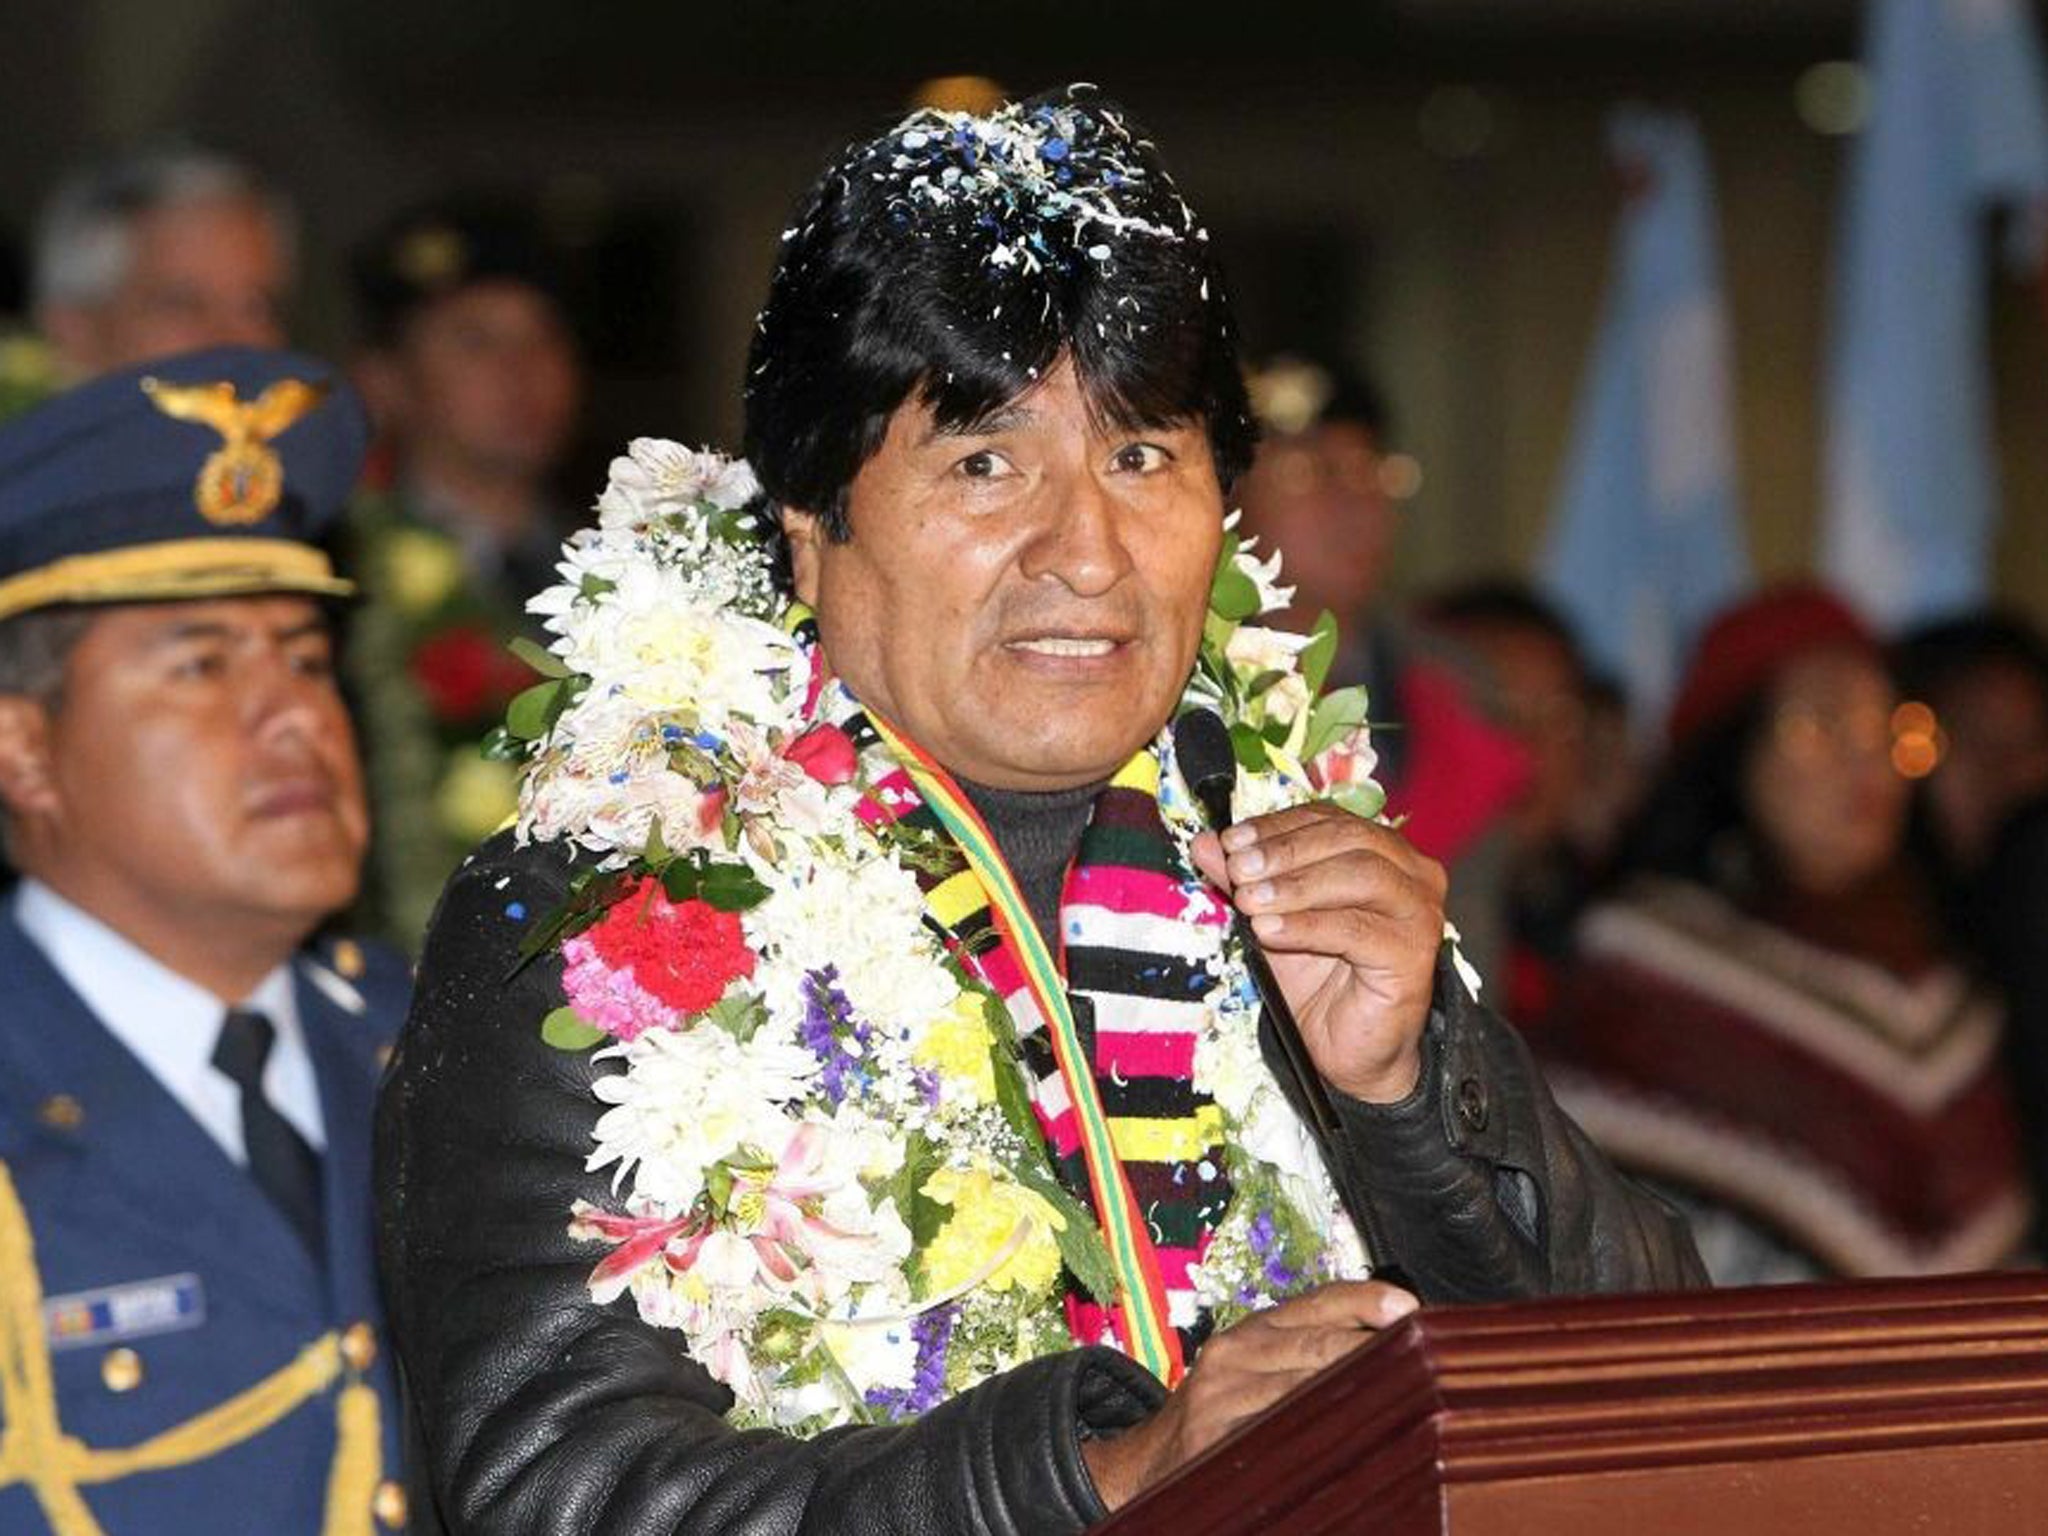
(189, 1334)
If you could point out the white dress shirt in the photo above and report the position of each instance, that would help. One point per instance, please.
(172, 1024)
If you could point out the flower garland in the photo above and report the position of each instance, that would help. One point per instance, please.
(826, 1169)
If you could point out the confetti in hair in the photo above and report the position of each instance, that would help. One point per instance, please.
(1041, 183)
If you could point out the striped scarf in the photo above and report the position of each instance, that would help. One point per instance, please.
(1138, 940)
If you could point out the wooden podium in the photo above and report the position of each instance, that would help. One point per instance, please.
(1873, 1408)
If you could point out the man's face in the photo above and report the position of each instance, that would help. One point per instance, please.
(205, 274)
(198, 768)
(1024, 598)
(1317, 497)
(485, 378)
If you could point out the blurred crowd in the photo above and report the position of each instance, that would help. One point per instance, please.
(1781, 953)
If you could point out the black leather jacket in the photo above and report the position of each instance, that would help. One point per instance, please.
(535, 1410)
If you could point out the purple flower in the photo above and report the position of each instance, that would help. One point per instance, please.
(933, 1331)
(828, 1022)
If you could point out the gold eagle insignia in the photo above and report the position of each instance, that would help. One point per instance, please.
(242, 481)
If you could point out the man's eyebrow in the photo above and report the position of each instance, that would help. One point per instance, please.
(215, 629)
(1004, 418)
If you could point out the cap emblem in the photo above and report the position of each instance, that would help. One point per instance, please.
(242, 481)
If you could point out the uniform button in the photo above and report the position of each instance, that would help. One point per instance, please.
(348, 958)
(359, 1346)
(61, 1112)
(121, 1370)
(1472, 1104)
(389, 1505)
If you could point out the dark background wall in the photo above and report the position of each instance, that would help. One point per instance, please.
(1420, 184)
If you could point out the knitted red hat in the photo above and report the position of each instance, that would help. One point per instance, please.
(1746, 648)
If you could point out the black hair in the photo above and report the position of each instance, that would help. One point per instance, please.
(1693, 822)
(1502, 603)
(1932, 660)
(426, 253)
(961, 259)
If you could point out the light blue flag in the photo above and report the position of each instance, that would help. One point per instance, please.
(1957, 127)
(1645, 543)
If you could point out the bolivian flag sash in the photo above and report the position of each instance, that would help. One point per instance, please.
(1141, 1317)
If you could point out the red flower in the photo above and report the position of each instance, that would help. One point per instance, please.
(683, 952)
(825, 752)
(466, 674)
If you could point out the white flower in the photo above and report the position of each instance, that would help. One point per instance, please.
(877, 1354)
(690, 1098)
(867, 922)
(1265, 575)
(659, 478)
(652, 640)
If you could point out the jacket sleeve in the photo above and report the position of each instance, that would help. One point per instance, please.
(538, 1411)
(1484, 1190)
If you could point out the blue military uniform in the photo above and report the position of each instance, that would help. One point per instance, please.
(173, 1355)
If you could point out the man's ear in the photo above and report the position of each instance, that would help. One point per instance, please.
(74, 335)
(28, 787)
(806, 534)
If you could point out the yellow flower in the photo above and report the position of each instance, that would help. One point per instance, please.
(956, 1045)
(990, 1214)
(421, 569)
(476, 795)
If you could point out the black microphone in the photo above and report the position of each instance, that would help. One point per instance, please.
(1201, 747)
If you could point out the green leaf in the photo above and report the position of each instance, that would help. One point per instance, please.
(538, 657)
(1234, 595)
(501, 746)
(1249, 748)
(565, 1030)
(739, 1016)
(732, 888)
(1320, 651)
(590, 896)
(533, 710)
(682, 879)
(921, 1214)
(1335, 716)
(654, 854)
(1262, 682)
(1216, 633)
(718, 1186)
(1082, 1249)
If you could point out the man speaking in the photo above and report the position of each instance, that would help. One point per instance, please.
(867, 1094)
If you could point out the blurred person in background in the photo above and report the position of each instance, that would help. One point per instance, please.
(1319, 493)
(1537, 686)
(191, 1328)
(1767, 1018)
(1984, 813)
(475, 382)
(158, 250)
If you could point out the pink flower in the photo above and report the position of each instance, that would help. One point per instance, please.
(825, 752)
(639, 1241)
(607, 998)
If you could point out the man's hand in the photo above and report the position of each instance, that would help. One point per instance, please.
(1351, 918)
(1242, 1371)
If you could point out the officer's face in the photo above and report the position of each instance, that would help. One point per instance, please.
(485, 381)
(197, 771)
(205, 274)
(1023, 599)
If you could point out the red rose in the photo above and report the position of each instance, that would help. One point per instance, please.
(683, 952)
(825, 752)
(466, 674)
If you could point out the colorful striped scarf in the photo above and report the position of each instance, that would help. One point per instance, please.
(1131, 965)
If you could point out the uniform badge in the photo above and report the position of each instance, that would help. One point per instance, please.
(242, 481)
(166, 1304)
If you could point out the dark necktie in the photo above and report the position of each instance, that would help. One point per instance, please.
(284, 1166)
